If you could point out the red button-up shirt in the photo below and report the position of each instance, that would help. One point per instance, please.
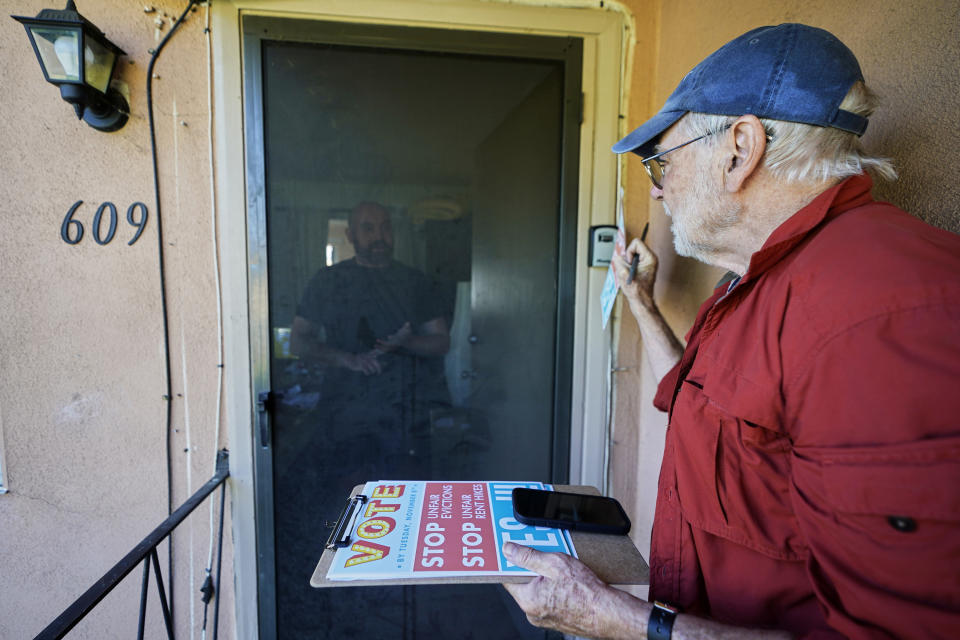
(811, 475)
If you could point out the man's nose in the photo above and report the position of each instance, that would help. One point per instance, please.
(656, 192)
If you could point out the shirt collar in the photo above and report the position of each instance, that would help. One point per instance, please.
(852, 192)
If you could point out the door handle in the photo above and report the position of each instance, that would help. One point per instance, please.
(468, 374)
(266, 401)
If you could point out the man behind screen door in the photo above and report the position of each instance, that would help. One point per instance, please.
(378, 330)
(372, 333)
(810, 484)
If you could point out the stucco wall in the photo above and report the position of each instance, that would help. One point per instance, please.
(81, 335)
(908, 52)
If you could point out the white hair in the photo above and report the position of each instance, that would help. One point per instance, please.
(808, 153)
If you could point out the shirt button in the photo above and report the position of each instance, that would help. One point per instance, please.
(902, 524)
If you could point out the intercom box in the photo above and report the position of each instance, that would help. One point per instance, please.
(603, 238)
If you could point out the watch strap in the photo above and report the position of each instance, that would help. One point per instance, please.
(660, 624)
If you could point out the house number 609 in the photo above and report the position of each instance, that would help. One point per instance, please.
(71, 230)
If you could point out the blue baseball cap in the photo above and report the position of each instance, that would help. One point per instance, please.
(789, 72)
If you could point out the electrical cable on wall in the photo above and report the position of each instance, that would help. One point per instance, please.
(208, 584)
(168, 397)
(627, 44)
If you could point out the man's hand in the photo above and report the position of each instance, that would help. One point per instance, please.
(661, 345)
(432, 339)
(306, 344)
(569, 597)
(641, 289)
(365, 363)
(396, 340)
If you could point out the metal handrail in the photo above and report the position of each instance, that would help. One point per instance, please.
(145, 552)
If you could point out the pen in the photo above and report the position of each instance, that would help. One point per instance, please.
(636, 256)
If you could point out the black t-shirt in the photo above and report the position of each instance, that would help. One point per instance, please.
(356, 305)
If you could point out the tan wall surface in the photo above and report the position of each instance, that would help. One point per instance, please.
(81, 335)
(908, 52)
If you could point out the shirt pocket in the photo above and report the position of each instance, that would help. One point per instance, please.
(886, 516)
(733, 474)
(696, 432)
(887, 491)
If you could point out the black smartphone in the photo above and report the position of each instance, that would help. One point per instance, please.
(595, 514)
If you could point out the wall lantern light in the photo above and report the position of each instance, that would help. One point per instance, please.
(77, 57)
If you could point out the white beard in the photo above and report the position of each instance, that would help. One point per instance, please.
(703, 215)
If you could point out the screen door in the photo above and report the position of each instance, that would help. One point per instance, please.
(411, 222)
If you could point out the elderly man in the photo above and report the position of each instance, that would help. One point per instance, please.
(810, 483)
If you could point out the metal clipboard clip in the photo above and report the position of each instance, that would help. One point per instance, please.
(340, 536)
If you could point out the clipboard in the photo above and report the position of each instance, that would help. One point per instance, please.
(615, 560)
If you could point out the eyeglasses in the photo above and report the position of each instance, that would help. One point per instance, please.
(656, 167)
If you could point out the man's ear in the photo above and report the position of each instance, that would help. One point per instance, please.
(744, 151)
(349, 234)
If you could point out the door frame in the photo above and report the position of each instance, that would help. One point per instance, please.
(259, 29)
(606, 33)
